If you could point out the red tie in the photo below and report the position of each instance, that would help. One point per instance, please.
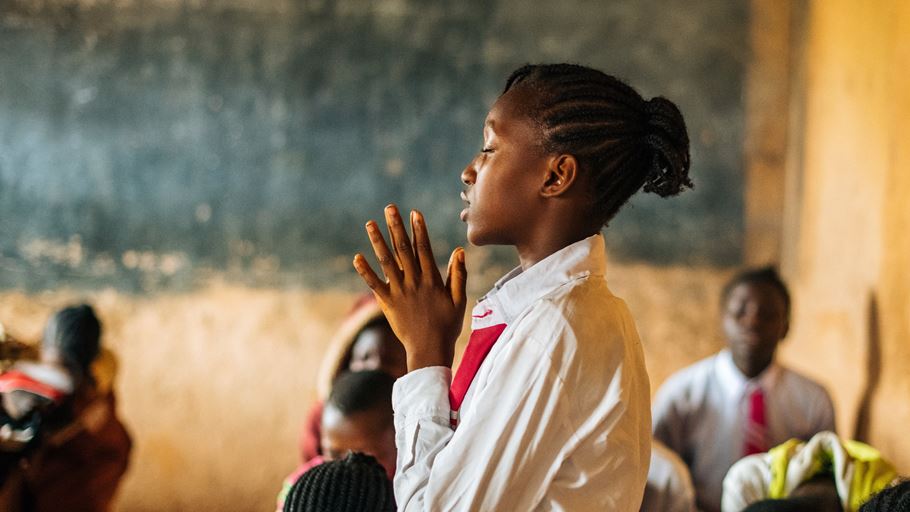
(756, 433)
(479, 346)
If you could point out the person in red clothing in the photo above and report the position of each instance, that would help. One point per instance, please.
(84, 450)
(363, 342)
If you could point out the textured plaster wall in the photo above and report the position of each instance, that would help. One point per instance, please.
(851, 263)
(214, 384)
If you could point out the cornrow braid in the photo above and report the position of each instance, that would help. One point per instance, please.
(622, 141)
(357, 483)
(891, 499)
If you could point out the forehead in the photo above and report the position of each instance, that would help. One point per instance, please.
(374, 338)
(760, 292)
(511, 114)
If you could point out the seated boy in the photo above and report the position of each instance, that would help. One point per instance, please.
(825, 474)
(739, 401)
(357, 418)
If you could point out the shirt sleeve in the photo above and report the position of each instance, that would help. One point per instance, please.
(502, 456)
(669, 416)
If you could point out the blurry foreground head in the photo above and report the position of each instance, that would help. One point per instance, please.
(891, 499)
(357, 483)
(72, 338)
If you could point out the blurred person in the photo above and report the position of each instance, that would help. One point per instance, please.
(355, 483)
(669, 487)
(825, 474)
(740, 401)
(364, 341)
(895, 498)
(357, 418)
(84, 449)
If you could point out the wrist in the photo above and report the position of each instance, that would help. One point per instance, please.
(426, 359)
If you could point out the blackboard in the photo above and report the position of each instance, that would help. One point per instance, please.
(151, 145)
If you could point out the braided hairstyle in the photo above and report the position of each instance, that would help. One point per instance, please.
(76, 333)
(891, 499)
(620, 140)
(357, 483)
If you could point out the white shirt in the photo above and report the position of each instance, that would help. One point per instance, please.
(699, 413)
(557, 416)
(669, 487)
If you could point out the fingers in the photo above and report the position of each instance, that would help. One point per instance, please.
(362, 266)
(383, 254)
(422, 249)
(457, 278)
(401, 244)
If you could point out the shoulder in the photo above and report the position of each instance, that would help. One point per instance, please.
(694, 379)
(801, 385)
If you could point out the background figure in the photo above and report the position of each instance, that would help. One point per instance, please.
(357, 483)
(85, 451)
(669, 487)
(824, 474)
(363, 342)
(357, 418)
(740, 401)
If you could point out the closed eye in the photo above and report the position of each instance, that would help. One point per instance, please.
(486, 150)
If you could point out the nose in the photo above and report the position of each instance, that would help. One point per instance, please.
(469, 174)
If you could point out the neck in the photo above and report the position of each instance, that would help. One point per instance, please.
(534, 251)
(752, 368)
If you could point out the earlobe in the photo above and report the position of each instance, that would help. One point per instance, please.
(561, 173)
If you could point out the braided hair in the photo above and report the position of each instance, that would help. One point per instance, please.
(620, 140)
(357, 483)
(76, 333)
(891, 499)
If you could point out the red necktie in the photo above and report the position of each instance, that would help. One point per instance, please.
(756, 427)
(479, 346)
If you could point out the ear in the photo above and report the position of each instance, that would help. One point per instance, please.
(561, 173)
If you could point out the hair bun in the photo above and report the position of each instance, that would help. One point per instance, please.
(668, 141)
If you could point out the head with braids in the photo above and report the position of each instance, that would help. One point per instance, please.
(891, 499)
(357, 483)
(565, 147)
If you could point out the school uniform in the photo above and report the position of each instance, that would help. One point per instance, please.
(549, 408)
(669, 487)
(702, 413)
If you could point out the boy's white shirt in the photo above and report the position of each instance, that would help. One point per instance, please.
(557, 417)
(699, 411)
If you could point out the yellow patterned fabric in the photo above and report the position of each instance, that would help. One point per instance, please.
(859, 471)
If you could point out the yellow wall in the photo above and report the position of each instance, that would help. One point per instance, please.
(851, 265)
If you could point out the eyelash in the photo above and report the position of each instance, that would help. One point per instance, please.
(486, 150)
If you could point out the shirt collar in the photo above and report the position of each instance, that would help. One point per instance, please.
(735, 384)
(518, 289)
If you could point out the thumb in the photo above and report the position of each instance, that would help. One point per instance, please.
(457, 278)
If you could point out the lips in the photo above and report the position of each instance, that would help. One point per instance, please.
(464, 213)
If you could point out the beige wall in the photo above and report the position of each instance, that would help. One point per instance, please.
(851, 259)
(214, 384)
